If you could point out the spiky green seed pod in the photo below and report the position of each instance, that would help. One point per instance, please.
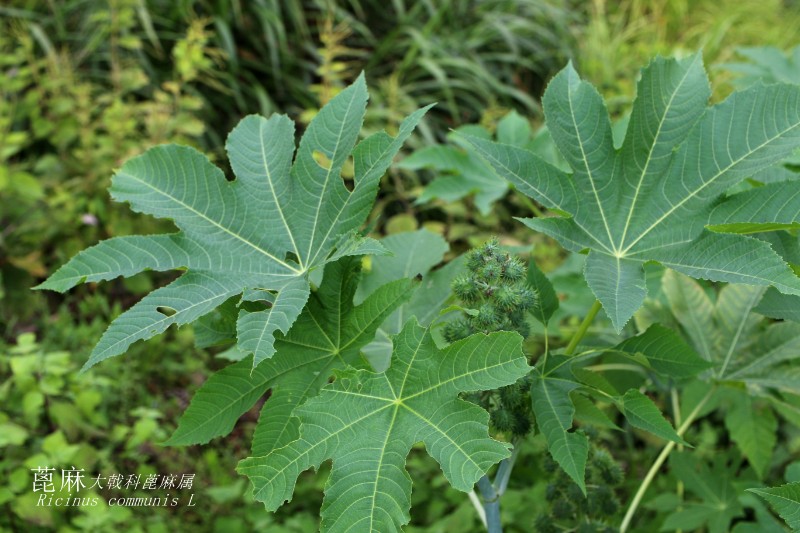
(508, 298)
(527, 299)
(466, 289)
(491, 248)
(474, 260)
(563, 509)
(575, 493)
(607, 468)
(457, 330)
(512, 396)
(513, 269)
(490, 272)
(487, 316)
(502, 420)
(522, 424)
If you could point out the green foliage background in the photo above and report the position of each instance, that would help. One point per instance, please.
(86, 85)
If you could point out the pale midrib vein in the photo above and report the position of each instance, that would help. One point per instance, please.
(589, 172)
(328, 178)
(705, 184)
(445, 435)
(762, 360)
(408, 368)
(313, 446)
(369, 324)
(460, 376)
(588, 233)
(275, 196)
(650, 155)
(347, 203)
(380, 465)
(750, 305)
(217, 224)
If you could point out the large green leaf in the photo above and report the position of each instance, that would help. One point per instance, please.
(328, 335)
(785, 500)
(285, 215)
(367, 423)
(651, 198)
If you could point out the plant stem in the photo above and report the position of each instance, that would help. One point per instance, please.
(476, 502)
(584, 327)
(654, 468)
(676, 414)
(491, 505)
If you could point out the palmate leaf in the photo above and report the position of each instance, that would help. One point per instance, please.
(367, 423)
(285, 215)
(653, 197)
(328, 335)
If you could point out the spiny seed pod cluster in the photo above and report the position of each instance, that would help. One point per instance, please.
(570, 509)
(495, 292)
(494, 288)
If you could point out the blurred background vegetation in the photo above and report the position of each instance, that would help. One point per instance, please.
(86, 84)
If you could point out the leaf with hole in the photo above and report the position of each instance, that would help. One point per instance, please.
(286, 215)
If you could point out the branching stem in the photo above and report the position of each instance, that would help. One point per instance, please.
(584, 327)
(656, 466)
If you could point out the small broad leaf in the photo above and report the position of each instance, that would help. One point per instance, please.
(642, 413)
(587, 412)
(666, 352)
(462, 173)
(283, 217)
(785, 500)
(367, 423)
(546, 298)
(327, 336)
(650, 199)
(554, 412)
(753, 430)
(781, 306)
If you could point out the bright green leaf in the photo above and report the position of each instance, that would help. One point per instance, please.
(554, 412)
(642, 413)
(367, 423)
(284, 216)
(328, 335)
(651, 198)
